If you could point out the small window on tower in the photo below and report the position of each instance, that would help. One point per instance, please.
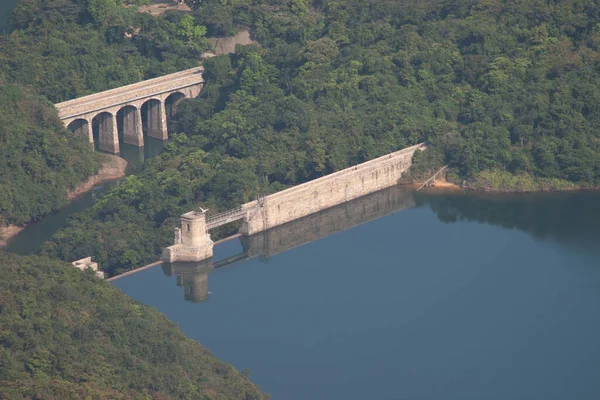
(188, 227)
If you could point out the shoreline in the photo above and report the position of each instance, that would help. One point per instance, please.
(154, 264)
(536, 186)
(7, 232)
(439, 186)
(113, 167)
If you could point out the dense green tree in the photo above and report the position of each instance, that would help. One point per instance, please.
(63, 49)
(498, 88)
(67, 334)
(39, 159)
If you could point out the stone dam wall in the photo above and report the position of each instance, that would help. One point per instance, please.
(329, 191)
(336, 219)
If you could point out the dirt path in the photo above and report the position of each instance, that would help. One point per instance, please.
(161, 8)
(226, 45)
(443, 184)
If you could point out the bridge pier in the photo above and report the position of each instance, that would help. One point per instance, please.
(132, 126)
(108, 134)
(157, 120)
(127, 102)
(90, 131)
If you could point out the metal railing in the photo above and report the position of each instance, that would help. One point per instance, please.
(225, 217)
(234, 214)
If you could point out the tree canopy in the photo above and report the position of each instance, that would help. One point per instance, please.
(496, 87)
(61, 49)
(39, 160)
(67, 334)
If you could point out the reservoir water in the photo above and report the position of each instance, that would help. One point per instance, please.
(35, 234)
(6, 8)
(441, 296)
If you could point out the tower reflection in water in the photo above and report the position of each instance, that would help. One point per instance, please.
(193, 276)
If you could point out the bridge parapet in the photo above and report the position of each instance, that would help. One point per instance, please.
(121, 107)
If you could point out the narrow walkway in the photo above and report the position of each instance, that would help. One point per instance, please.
(428, 181)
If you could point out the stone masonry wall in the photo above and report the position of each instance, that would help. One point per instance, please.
(328, 191)
(129, 94)
(336, 219)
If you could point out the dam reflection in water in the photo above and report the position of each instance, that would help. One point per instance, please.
(193, 276)
(463, 296)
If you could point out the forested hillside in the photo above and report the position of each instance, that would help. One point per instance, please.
(39, 160)
(501, 89)
(62, 49)
(66, 334)
(69, 48)
(63, 333)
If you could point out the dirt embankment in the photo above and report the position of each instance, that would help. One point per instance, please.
(226, 45)
(442, 183)
(161, 8)
(113, 167)
(6, 232)
(439, 183)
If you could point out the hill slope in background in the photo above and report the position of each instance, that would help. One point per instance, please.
(62, 49)
(500, 89)
(66, 334)
(39, 160)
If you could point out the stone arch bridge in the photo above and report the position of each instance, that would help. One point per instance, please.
(130, 110)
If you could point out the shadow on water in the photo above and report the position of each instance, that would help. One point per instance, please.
(137, 156)
(30, 239)
(193, 277)
(567, 218)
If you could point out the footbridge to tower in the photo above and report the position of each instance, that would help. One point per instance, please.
(192, 240)
(193, 276)
(128, 112)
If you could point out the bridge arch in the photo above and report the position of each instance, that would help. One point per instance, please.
(154, 119)
(172, 101)
(105, 134)
(129, 125)
(151, 99)
(80, 127)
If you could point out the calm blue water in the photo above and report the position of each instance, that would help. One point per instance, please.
(35, 234)
(500, 301)
(6, 8)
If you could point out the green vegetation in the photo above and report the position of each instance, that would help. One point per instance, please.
(499, 88)
(505, 91)
(39, 160)
(69, 48)
(507, 182)
(61, 49)
(65, 334)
